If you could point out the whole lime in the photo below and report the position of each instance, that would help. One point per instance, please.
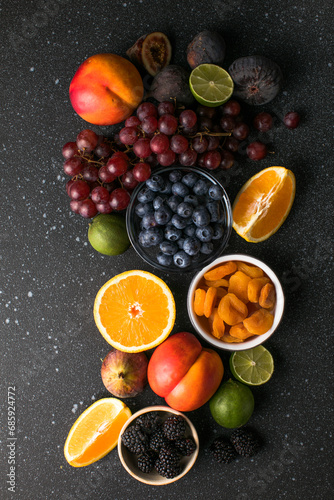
(232, 405)
(107, 234)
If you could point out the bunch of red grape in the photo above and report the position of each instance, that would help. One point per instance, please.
(104, 172)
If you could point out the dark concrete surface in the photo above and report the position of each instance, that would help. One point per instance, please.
(51, 349)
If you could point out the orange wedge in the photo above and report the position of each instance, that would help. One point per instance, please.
(95, 432)
(134, 311)
(263, 203)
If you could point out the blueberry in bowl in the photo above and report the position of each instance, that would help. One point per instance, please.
(179, 219)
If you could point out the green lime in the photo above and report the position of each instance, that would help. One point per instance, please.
(253, 366)
(232, 405)
(107, 234)
(211, 85)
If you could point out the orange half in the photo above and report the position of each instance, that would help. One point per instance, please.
(263, 203)
(134, 311)
(95, 433)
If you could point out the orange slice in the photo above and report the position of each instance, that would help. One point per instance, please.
(134, 311)
(95, 433)
(263, 203)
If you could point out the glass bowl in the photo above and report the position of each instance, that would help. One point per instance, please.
(133, 224)
(129, 460)
(201, 324)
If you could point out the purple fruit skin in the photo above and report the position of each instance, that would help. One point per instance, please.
(206, 47)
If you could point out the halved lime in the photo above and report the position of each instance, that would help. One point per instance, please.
(252, 366)
(211, 85)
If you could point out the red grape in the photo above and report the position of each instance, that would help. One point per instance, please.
(256, 150)
(119, 199)
(73, 166)
(87, 209)
(132, 121)
(141, 171)
(291, 120)
(104, 208)
(79, 190)
(212, 159)
(188, 158)
(75, 205)
(231, 108)
(128, 180)
(149, 124)
(159, 144)
(167, 124)
(68, 186)
(128, 135)
(166, 107)
(179, 143)
(263, 122)
(227, 159)
(206, 111)
(227, 123)
(105, 175)
(87, 140)
(188, 118)
(69, 150)
(102, 150)
(90, 173)
(241, 131)
(232, 144)
(100, 195)
(213, 142)
(146, 109)
(205, 123)
(141, 148)
(117, 166)
(166, 159)
(199, 144)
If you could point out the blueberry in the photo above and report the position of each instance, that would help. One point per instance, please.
(180, 189)
(185, 209)
(158, 202)
(180, 222)
(169, 247)
(192, 199)
(218, 231)
(142, 209)
(164, 259)
(155, 183)
(201, 216)
(163, 215)
(180, 242)
(190, 179)
(175, 176)
(191, 245)
(173, 202)
(167, 189)
(151, 236)
(207, 247)
(172, 233)
(182, 259)
(214, 209)
(205, 233)
(190, 230)
(145, 195)
(148, 221)
(215, 192)
(201, 187)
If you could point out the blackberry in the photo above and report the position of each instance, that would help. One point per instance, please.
(167, 470)
(146, 462)
(223, 451)
(174, 427)
(185, 446)
(148, 422)
(157, 440)
(245, 442)
(135, 440)
(167, 464)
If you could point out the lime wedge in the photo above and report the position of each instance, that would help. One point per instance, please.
(211, 85)
(252, 366)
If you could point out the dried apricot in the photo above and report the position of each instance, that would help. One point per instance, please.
(228, 338)
(254, 288)
(259, 322)
(240, 332)
(221, 292)
(217, 283)
(199, 300)
(267, 296)
(218, 325)
(231, 309)
(238, 285)
(251, 271)
(219, 272)
(210, 301)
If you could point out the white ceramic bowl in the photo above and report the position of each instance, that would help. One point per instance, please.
(252, 341)
(129, 460)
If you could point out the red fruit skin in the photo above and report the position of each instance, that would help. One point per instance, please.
(184, 373)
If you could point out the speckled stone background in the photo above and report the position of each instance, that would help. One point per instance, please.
(51, 349)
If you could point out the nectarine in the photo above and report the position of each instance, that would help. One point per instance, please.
(106, 89)
(184, 373)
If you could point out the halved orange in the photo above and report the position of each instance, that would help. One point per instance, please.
(134, 311)
(263, 203)
(95, 433)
